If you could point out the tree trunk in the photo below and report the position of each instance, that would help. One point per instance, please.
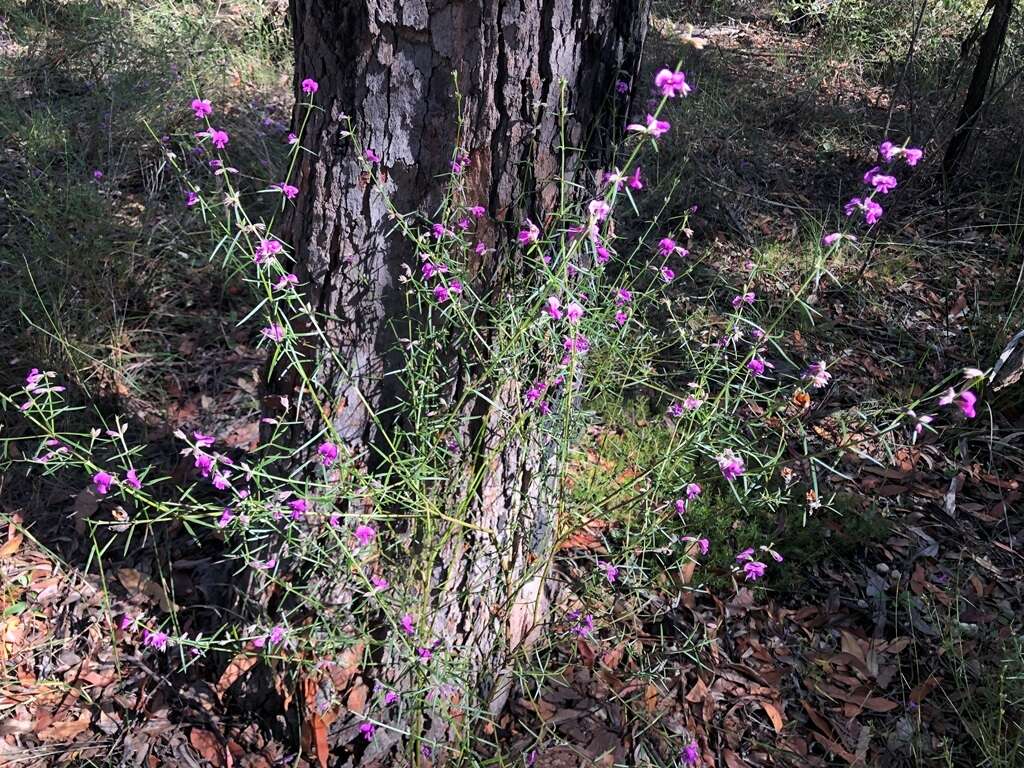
(988, 55)
(385, 70)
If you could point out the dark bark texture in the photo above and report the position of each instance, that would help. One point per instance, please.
(387, 67)
(988, 56)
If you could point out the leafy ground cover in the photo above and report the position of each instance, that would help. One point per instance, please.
(889, 637)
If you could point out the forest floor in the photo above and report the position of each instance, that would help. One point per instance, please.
(893, 640)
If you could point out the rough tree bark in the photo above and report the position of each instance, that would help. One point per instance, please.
(387, 66)
(988, 54)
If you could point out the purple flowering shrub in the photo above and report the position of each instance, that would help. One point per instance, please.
(592, 321)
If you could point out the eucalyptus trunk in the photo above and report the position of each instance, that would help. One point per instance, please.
(531, 74)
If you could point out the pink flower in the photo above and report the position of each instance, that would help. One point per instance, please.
(284, 281)
(276, 635)
(754, 570)
(328, 453)
(372, 156)
(667, 274)
(966, 401)
(731, 465)
(127, 622)
(829, 240)
(703, 545)
(882, 183)
(667, 247)
(274, 332)
(287, 190)
(477, 210)
(225, 517)
(746, 554)
(635, 182)
(132, 479)
(364, 534)
(310, 86)
(671, 84)
(599, 209)
(692, 403)
(409, 624)
(156, 640)
(621, 318)
(292, 138)
(441, 294)
(872, 210)
(266, 250)
(219, 138)
(191, 198)
(102, 481)
(623, 296)
(693, 490)
(379, 583)
(299, 507)
(912, 155)
(201, 108)
(675, 410)
(756, 366)
(817, 374)
(573, 313)
(681, 506)
(610, 571)
(578, 343)
(367, 730)
(553, 306)
(583, 625)
(529, 233)
(390, 698)
(889, 151)
(746, 298)
(653, 127)
(691, 753)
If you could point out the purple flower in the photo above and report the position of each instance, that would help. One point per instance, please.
(372, 156)
(132, 478)
(127, 622)
(883, 183)
(219, 138)
(693, 490)
(528, 234)
(408, 624)
(310, 86)
(653, 127)
(746, 298)
(889, 151)
(610, 571)
(299, 507)
(912, 155)
(756, 366)
(225, 517)
(191, 198)
(754, 570)
(691, 753)
(668, 274)
(102, 481)
(621, 318)
(817, 374)
(285, 280)
(276, 635)
(274, 332)
(367, 730)
(675, 410)
(635, 182)
(390, 697)
(201, 108)
(583, 625)
(621, 86)
(731, 465)
(266, 250)
(287, 190)
(966, 401)
(872, 210)
(364, 534)
(671, 84)
(441, 293)
(328, 453)
(702, 544)
(156, 640)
